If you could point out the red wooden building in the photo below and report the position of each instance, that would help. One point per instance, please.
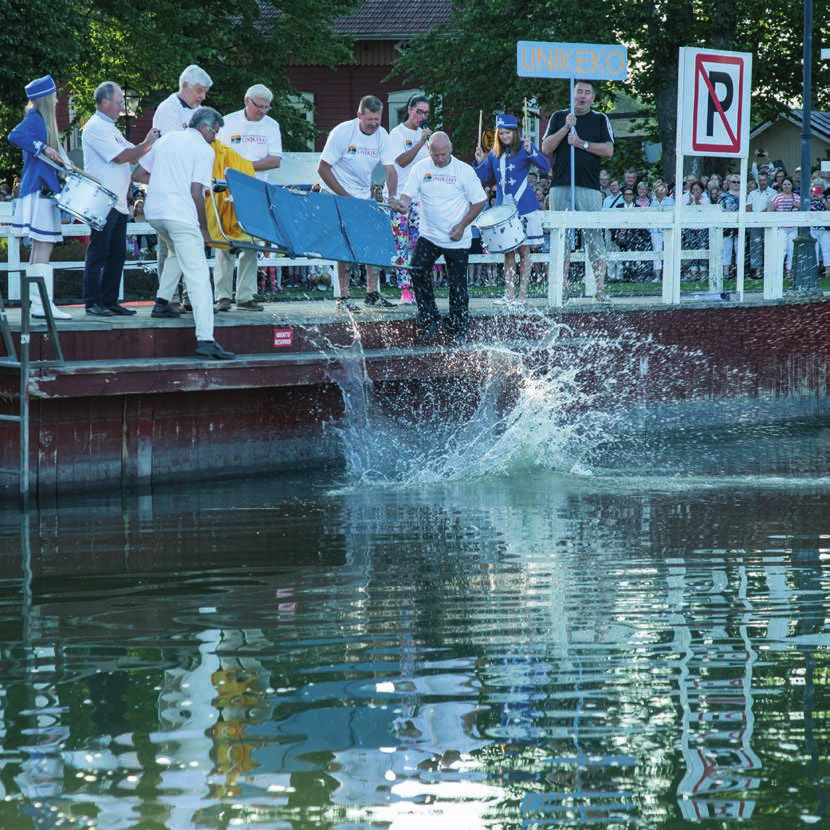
(380, 29)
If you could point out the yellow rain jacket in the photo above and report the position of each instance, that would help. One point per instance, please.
(225, 157)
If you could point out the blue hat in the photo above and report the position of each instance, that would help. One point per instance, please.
(506, 122)
(40, 87)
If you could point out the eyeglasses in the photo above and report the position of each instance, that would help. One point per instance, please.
(421, 111)
(260, 107)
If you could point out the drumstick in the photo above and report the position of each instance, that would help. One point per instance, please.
(479, 127)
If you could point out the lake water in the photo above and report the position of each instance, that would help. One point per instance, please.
(516, 621)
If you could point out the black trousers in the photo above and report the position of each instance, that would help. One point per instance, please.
(423, 259)
(104, 262)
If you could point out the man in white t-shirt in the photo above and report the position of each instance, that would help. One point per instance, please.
(181, 170)
(255, 136)
(173, 114)
(451, 196)
(107, 159)
(407, 145)
(352, 151)
(757, 202)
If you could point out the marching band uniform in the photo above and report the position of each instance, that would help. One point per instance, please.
(510, 174)
(35, 215)
(34, 212)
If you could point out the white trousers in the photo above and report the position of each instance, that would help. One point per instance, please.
(186, 251)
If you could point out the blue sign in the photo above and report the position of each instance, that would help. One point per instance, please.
(590, 61)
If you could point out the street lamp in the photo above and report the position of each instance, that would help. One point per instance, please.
(131, 102)
(805, 266)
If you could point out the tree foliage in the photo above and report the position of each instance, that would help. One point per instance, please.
(143, 45)
(471, 65)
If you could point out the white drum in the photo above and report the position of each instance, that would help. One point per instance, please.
(85, 198)
(501, 229)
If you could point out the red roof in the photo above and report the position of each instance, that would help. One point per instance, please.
(392, 19)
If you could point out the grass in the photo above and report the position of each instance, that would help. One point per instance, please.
(538, 290)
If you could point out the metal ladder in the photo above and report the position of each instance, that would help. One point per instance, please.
(23, 365)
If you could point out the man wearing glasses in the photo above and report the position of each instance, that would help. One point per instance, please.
(181, 170)
(408, 144)
(108, 157)
(255, 136)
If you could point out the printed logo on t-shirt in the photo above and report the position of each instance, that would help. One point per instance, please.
(435, 178)
(353, 150)
(236, 139)
(409, 144)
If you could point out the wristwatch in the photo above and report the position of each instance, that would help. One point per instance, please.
(585, 145)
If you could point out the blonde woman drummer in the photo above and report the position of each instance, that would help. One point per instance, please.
(508, 164)
(35, 214)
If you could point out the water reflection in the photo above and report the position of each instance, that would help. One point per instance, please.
(530, 650)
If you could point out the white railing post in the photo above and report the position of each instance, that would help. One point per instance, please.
(671, 266)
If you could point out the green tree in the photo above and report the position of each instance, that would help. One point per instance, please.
(37, 38)
(144, 44)
(471, 64)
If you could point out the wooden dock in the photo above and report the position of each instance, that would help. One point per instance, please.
(132, 404)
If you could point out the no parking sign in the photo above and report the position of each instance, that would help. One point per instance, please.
(715, 88)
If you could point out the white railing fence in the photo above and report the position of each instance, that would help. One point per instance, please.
(560, 227)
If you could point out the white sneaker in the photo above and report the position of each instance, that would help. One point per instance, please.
(39, 313)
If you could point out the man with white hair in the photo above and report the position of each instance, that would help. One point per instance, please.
(175, 111)
(255, 136)
(173, 114)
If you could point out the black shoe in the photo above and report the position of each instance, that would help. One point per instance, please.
(210, 348)
(121, 310)
(99, 310)
(429, 332)
(375, 300)
(168, 310)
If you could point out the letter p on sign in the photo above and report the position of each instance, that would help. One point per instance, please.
(717, 88)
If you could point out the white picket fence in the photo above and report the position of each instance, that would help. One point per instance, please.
(559, 226)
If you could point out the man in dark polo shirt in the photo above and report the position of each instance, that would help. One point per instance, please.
(590, 134)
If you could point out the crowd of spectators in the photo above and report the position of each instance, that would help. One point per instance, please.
(769, 187)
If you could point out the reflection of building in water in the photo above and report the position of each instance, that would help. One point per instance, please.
(716, 697)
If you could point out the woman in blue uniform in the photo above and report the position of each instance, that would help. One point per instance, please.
(35, 214)
(508, 164)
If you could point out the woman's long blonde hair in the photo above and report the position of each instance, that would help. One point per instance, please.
(46, 106)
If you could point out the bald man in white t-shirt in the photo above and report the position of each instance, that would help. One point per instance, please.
(451, 196)
(352, 151)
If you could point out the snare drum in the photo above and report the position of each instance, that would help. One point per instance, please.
(501, 229)
(85, 198)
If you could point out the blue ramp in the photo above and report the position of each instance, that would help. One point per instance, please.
(318, 225)
(309, 223)
(368, 229)
(252, 206)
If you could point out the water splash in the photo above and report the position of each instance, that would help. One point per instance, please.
(527, 409)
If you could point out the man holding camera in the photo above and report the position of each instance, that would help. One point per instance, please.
(757, 202)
